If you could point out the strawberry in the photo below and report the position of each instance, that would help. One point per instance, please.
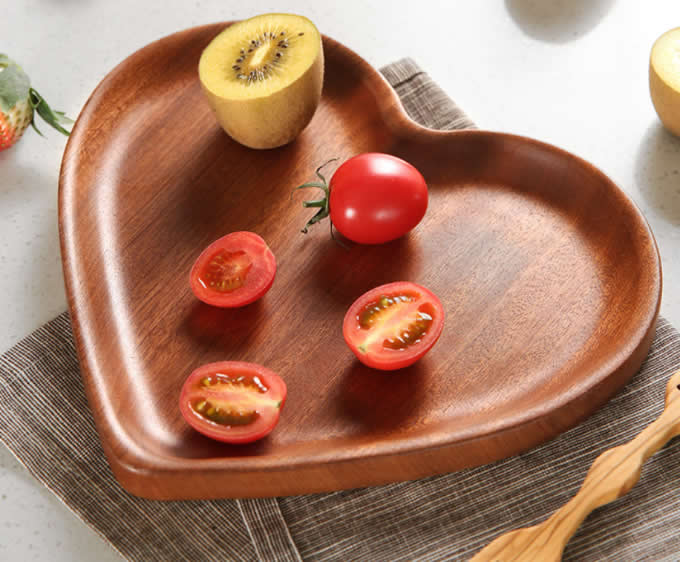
(19, 103)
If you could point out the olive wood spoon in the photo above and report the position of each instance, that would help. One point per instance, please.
(611, 476)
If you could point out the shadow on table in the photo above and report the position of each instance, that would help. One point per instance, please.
(557, 21)
(657, 171)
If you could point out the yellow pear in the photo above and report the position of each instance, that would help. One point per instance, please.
(263, 78)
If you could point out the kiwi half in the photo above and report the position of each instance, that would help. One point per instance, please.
(664, 79)
(263, 78)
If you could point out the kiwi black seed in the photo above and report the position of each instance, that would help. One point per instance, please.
(269, 62)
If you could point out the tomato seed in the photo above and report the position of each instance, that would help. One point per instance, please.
(372, 311)
(224, 416)
(249, 383)
(412, 334)
(226, 271)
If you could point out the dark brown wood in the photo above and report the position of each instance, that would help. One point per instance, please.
(549, 275)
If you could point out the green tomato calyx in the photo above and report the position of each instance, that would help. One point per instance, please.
(321, 204)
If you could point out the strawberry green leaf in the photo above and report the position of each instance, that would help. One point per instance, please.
(63, 118)
(14, 84)
(36, 128)
(51, 117)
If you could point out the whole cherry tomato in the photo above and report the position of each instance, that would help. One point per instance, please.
(372, 198)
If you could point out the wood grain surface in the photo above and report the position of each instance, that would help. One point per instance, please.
(549, 276)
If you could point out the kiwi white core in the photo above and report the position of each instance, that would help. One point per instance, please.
(259, 56)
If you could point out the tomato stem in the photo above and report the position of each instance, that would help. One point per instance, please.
(315, 203)
(313, 184)
(321, 214)
(321, 204)
(318, 170)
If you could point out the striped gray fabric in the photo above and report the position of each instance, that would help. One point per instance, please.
(45, 421)
(268, 530)
(423, 100)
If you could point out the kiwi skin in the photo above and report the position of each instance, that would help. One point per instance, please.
(276, 119)
(664, 91)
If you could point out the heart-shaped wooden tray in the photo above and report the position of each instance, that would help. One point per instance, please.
(549, 276)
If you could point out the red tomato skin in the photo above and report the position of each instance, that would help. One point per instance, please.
(262, 427)
(261, 277)
(375, 198)
(385, 359)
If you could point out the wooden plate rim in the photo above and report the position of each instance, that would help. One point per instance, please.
(138, 458)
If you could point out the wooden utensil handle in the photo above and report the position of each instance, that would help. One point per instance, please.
(611, 475)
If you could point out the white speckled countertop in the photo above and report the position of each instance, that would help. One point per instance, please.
(569, 72)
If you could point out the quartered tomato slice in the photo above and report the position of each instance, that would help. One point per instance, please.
(233, 401)
(233, 271)
(394, 325)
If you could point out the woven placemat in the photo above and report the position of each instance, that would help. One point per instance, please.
(46, 422)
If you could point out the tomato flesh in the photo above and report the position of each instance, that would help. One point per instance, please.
(375, 198)
(233, 401)
(394, 325)
(233, 271)
(226, 271)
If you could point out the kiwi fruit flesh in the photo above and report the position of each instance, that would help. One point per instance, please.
(263, 78)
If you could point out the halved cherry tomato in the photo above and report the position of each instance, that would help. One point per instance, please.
(233, 401)
(235, 270)
(372, 198)
(394, 325)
